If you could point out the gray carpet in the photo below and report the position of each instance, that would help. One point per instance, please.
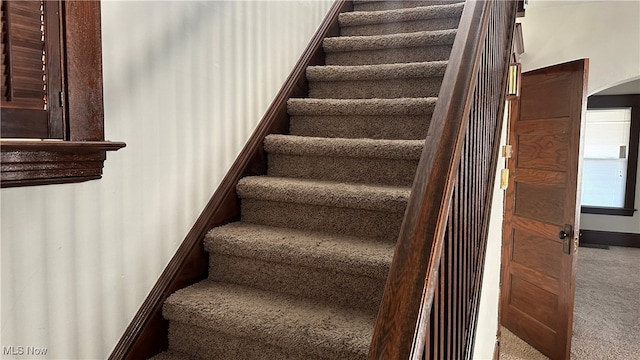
(301, 275)
(606, 312)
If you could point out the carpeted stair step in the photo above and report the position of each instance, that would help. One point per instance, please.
(424, 18)
(350, 209)
(384, 162)
(335, 269)
(346, 107)
(405, 118)
(172, 355)
(212, 320)
(418, 46)
(361, 126)
(378, 5)
(404, 80)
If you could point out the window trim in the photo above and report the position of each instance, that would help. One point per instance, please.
(620, 101)
(80, 156)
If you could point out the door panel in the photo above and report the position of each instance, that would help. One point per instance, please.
(544, 203)
(538, 275)
(553, 89)
(540, 254)
(543, 152)
(525, 295)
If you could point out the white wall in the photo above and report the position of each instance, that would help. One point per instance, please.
(184, 85)
(606, 32)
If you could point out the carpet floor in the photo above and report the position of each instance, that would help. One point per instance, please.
(301, 275)
(606, 324)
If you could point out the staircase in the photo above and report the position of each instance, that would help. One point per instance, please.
(301, 275)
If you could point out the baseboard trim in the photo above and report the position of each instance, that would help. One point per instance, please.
(609, 238)
(147, 334)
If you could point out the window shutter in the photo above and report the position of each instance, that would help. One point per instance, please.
(31, 76)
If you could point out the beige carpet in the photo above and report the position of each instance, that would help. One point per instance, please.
(607, 309)
(301, 275)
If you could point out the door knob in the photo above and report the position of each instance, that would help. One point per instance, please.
(562, 235)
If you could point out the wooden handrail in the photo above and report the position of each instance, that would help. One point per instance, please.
(403, 319)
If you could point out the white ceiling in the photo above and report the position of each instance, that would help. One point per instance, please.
(630, 87)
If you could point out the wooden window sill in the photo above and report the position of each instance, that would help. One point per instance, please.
(41, 162)
(607, 211)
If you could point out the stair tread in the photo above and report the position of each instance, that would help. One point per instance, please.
(420, 1)
(382, 5)
(377, 72)
(324, 193)
(171, 355)
(273, 318)
(344, 147)
(391, 41)
(356, 18)
(347, 254)
(361, 126)
(397, 106)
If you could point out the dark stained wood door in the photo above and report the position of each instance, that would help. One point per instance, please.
(542, 201)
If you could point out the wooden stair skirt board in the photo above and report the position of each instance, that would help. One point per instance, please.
(290, 256)
(609, 238)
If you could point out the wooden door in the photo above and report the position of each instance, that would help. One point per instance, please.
(542, 206)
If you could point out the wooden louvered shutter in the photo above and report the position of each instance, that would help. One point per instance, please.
(31, 70)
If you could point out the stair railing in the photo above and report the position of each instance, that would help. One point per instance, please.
(430, 302)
